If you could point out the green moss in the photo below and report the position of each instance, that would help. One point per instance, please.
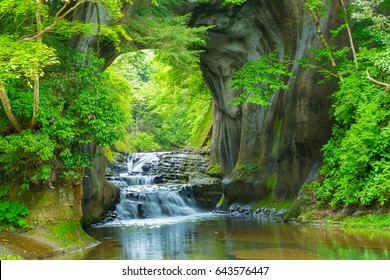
(367, 221)
(269, 202)
(247, 170)
(271, 181)
(221, 201)
(277, 132)
(215, 169)
(68, 234)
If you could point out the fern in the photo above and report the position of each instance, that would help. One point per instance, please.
(43, 173)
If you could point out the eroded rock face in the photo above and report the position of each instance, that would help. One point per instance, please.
(281, 143)
(99, 195)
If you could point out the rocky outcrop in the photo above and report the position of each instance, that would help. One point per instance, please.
(190, 167)
(99, 195)
(207, 191)
(281, 143)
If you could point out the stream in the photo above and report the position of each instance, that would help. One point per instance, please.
(155, 221)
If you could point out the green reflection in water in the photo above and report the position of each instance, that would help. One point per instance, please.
(223, 237)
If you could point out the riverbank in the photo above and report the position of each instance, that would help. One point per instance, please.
(59, 241)
(45, 241)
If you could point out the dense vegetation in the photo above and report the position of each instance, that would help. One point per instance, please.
(356, 168)
(56, 101)
(165, 110)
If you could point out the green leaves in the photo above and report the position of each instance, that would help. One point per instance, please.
(18, 60)
(356, 159)
(43, 173)
(13, 213)
(259, 79)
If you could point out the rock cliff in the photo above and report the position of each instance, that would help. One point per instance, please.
(264, 151)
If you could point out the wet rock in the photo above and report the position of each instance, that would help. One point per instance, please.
(99, 195)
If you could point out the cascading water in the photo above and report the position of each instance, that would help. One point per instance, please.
(143, 193)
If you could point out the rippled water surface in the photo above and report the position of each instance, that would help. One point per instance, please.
(207, 236)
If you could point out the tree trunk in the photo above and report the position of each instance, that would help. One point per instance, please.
(7, 109)
(36, 70)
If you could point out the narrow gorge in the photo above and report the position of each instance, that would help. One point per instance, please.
(126, 133)
(282, 142)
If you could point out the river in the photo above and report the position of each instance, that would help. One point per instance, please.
(211, 236)
(161, 222)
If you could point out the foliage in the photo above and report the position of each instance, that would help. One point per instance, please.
(357, 165)
(24, 54)
(356, 158)
(259, 79)
(166, 111)
(12, 213)
(77, 104)
(202, 135)
(76, 109)
(168, 94)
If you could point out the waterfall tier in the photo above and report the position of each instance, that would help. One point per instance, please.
(143, 193)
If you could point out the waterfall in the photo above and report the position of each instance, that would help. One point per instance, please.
(141, 197)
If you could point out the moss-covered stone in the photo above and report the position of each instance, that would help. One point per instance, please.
(277, 132)
(68, 234)
(271, 181)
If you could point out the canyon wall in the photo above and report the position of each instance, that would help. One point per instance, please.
(265, 152)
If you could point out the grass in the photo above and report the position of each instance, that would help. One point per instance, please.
(379, 221)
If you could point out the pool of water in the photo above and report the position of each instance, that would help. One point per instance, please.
(219, 237)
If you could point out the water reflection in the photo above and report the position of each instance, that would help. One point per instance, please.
(222, 237)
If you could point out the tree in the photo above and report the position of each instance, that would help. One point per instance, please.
(54, 100)
(23, 54)
(356, 166)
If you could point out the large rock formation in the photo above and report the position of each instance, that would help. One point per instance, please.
(99, 195)
(264, 151)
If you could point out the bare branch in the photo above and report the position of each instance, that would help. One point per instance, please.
(386, 85)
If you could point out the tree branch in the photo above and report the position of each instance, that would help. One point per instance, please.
(320, 34)
(350, 35)
(54, 23)
(386, 85)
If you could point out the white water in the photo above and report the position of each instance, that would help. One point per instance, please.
(141, 198)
